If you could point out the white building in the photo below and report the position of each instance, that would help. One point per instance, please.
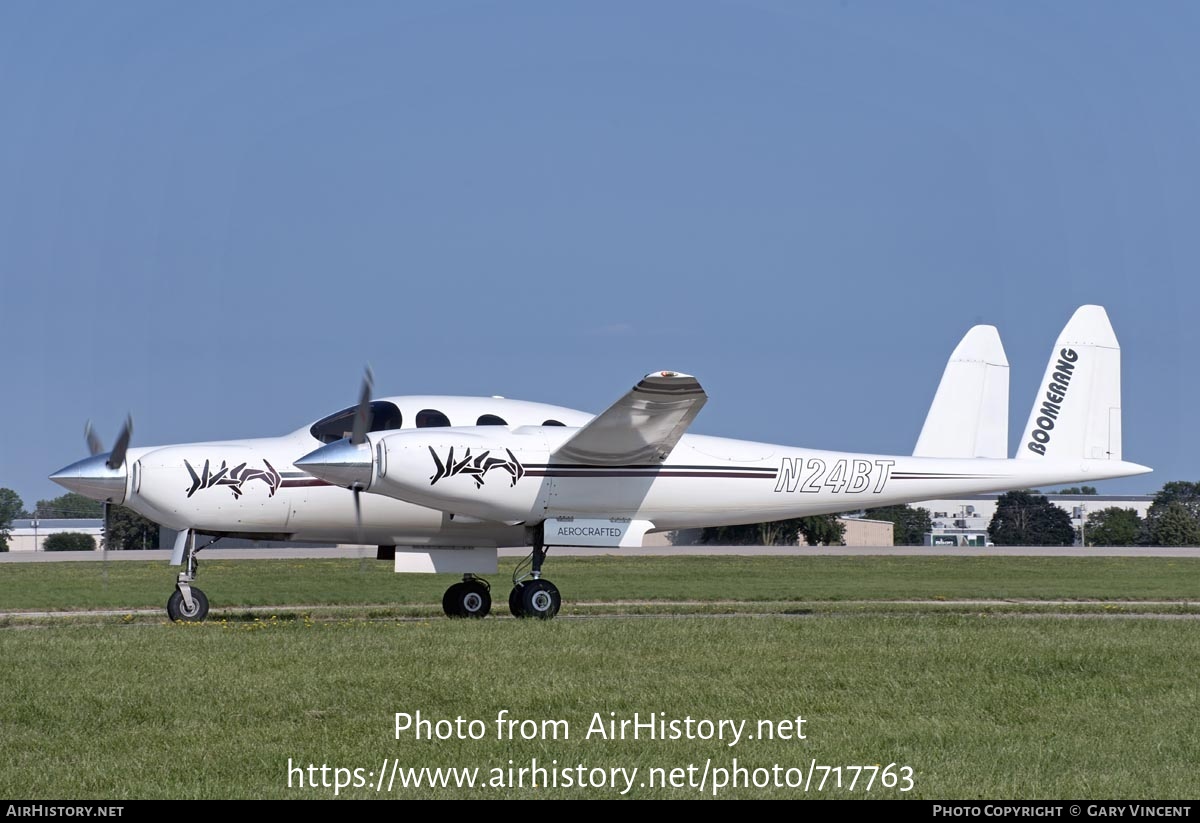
(963, 521)
(29, 535)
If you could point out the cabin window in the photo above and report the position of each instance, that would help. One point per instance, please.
(384, 417)
(490, 420)
(431, 418)
(552, 423)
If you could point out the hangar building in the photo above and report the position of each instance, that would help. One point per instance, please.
(29, 535)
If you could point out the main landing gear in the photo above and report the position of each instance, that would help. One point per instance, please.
(187, 604)
(470, 598)
(531, 595)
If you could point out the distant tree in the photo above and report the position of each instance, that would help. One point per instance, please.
(1180, 491)
(1078, 490)
(814, 530)
(11, 508)
(1158, 527)
(1172, 524)
(778, 533)
(70, 505)
(771, 533)
(909, 525)
(685, 537)
(821, 529)
(741, 535)
(1113, 526)
(69, 542)
(1025, 519)
(129, 530)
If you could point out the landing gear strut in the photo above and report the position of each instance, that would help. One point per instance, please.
(532, 595)
(187, 603)
(470, 598)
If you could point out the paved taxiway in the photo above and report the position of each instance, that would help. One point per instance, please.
(354, 553)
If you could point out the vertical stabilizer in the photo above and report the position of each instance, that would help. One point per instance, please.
(969, 415)
(1077, 411)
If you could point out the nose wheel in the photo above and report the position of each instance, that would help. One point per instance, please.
(180, 611)
(187, 604)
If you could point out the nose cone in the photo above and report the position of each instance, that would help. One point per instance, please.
(341, 463)
(93, 478)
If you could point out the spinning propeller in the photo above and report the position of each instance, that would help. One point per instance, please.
(358, 436)
(114, 462)
(116, 458)
(348, 462)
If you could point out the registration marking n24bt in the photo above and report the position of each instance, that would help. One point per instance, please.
(814, 475)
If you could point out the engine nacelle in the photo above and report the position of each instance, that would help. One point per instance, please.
(204, 483)
(490, 473)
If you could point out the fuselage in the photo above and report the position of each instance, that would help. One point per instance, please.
(512, 476)
(464, 484)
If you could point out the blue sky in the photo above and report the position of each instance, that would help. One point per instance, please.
(212, 215)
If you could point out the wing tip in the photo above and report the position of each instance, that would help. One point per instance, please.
(669, 382)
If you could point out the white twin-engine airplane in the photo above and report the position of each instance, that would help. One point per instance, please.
(449, 479)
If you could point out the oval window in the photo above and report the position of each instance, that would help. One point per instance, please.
(431, 418)
(490, 420)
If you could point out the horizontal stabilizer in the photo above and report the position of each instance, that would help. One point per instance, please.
(969, 415)
(1077, 411)
(641, 427)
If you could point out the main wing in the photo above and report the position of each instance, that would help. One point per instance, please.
(641, 427)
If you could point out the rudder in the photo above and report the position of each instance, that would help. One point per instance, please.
(1077, 411)
(969, 414)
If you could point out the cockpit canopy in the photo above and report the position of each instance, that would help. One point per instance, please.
(384, 417)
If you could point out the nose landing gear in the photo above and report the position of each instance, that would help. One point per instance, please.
(187, 604)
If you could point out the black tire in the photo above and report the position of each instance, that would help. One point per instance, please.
(540, 599)
(178, 611)
(452, 601)
(514, 601)
(473, 599)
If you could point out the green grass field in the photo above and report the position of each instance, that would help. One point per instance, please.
(132, 584)
(979, 703)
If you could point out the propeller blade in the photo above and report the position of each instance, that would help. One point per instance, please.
(117, 459)
(358, 524)
(104, 544)
(362, 417)
(95, 446)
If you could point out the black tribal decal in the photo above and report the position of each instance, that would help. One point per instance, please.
(234, 478)
(477, 468)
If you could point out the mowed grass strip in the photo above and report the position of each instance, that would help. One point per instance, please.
(1149, 610)
(978, 706)
(234, 583)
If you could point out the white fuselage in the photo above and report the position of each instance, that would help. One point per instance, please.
(705, 481)
(479, 485)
